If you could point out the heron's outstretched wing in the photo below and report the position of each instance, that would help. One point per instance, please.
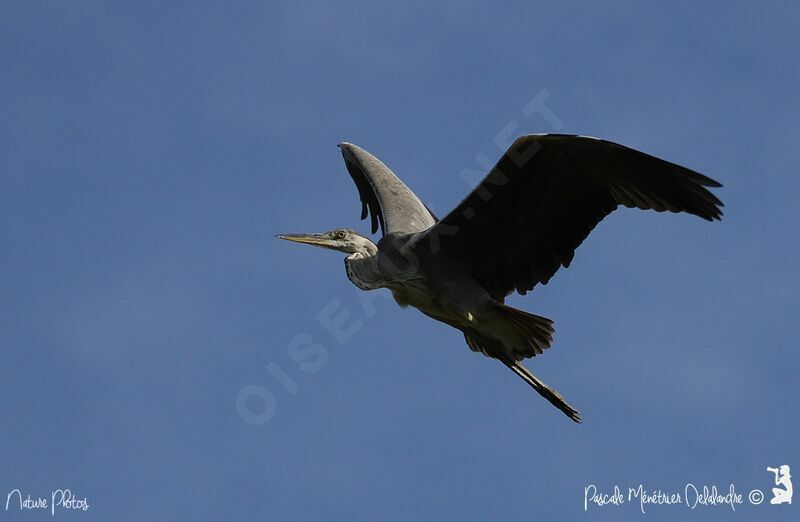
(387, 200)
(527, 217)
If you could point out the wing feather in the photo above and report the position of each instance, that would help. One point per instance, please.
(391, 205)
(546, 194)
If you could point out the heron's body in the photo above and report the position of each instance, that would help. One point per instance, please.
(512, 232)
(435, 286)
(439, 288)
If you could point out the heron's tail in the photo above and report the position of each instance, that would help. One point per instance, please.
(535, 329)
(544, 390)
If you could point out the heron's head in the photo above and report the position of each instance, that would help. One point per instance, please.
(341, 239)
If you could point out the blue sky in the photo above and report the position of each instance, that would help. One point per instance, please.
(149, 152)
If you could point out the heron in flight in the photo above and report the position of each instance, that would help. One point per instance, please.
(513, 231)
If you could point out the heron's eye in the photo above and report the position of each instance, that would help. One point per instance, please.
(341, 234)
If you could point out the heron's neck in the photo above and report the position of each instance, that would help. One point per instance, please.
(363, 269)
(364, 248)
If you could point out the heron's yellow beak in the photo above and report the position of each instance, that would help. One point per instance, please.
(309, 239)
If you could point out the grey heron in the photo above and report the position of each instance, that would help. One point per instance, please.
(513, 231)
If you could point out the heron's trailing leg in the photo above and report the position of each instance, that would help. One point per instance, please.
(495, 349)
(544, 390)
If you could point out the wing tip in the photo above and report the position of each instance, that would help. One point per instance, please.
(347, 150)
